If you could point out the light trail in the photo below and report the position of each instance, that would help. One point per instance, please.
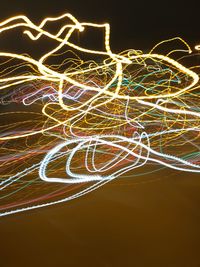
(67, 129)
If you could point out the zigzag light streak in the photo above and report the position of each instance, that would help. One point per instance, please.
(92, 122)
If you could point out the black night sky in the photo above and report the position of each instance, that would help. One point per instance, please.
(134, 24)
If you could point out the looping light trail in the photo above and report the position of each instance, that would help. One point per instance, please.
(68, 128)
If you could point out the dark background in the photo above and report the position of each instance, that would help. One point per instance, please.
(134, 24)
(143, 221)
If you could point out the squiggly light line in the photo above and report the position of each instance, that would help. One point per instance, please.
(92, 122)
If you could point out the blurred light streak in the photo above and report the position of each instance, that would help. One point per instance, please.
(84, 123)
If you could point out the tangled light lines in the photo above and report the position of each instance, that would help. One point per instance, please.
(69, 127)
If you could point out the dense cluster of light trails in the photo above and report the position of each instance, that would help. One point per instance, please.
(68, 128)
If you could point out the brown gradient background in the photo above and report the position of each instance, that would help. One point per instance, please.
(142, 221)
(132, 222)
